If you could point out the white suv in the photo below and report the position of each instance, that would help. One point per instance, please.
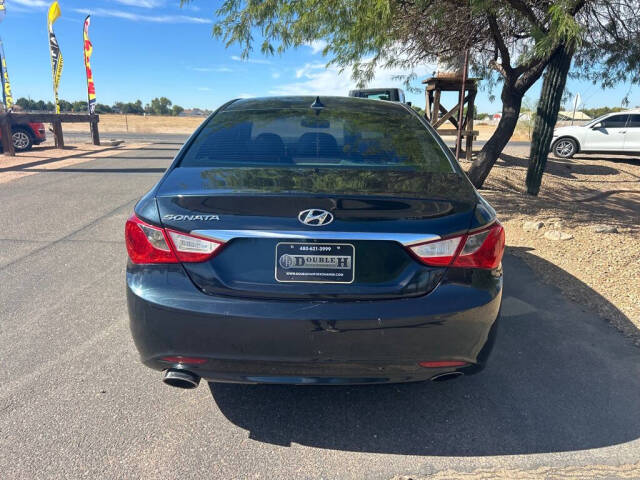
(614, 132)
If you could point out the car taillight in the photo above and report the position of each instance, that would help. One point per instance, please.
(150, 244)
(482, 249)
(190, 248)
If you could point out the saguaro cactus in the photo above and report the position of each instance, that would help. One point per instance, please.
(553, 84)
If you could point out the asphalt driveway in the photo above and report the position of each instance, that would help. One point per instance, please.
(562, 388)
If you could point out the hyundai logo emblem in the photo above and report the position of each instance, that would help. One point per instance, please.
(315, 217)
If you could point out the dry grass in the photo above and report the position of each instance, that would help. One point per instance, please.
(140, 124)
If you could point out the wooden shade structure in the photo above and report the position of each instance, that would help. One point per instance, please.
(438, 116)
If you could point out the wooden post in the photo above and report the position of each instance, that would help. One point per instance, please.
(5, 131)
(469, 124)
(56, 124)
(463, 91)
(436, 107)
(95, 135)
(428, 105)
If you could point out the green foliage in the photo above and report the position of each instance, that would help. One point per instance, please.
(354, 29)
(66, 106)
(419, 110)
(131, 108)
(159, 106)
(563, 29)
(79, 106)
(598, 111)
(28, 104)
(176, 110)
(102, 108)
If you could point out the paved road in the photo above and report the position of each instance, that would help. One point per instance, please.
(162, 138)
(562, 389)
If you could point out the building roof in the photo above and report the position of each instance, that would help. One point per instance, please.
(568, 115)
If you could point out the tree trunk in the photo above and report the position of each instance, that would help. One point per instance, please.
(511, 102)
(553, 85)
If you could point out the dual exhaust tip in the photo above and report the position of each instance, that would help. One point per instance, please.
(187, 380)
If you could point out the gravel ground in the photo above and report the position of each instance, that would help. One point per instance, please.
(577, 197)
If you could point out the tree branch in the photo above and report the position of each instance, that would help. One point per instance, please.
(523, 8)
(505, 69)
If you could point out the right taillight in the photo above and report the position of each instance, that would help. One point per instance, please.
(150, 244)
(483, 249)
(479, 249)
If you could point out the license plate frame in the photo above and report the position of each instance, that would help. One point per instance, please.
(324, 262)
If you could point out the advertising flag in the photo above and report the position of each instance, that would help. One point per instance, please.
(56, 55)
(7, 99)
(88, 50)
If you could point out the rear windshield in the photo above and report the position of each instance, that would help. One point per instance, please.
(340, 137)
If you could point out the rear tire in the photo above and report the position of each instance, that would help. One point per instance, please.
(565, 148)
(22, 139)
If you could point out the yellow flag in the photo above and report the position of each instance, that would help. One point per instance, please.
(54, 13)
(54, 49)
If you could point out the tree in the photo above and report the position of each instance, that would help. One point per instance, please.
(160, 106)
(130, 108)
(26, 104)
(65, 106)
(176, 110)
(80, 106)
(102, 108)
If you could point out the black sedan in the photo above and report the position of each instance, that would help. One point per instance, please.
(306, 240)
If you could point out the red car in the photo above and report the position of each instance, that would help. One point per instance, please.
(26, 135)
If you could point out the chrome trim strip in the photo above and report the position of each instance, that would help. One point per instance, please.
(405, 239)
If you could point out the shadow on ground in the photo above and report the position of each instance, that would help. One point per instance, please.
(578, 165)
(560, 379)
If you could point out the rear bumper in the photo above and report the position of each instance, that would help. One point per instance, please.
(273, 341)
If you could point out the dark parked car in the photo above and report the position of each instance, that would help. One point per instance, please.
(26, 135)
(313, 241)
(390, 94)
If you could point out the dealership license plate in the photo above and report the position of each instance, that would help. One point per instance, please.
(315, 262)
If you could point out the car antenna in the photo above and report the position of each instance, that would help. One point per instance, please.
(317, 104)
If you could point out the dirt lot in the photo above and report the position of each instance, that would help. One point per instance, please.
(577, 197)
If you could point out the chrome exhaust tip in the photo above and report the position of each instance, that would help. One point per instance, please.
(180, 378)
(444, 377)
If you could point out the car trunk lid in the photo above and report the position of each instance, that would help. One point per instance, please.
(255, 211)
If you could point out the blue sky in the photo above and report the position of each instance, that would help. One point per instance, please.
(149, 48)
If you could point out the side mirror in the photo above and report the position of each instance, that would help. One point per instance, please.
(597, 126)
(408, 104)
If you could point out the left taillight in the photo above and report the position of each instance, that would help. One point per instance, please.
(480, 249)
(150, 244)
